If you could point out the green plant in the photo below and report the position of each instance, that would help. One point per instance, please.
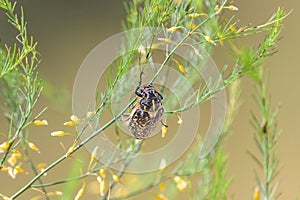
(201, 21)
(265, 139)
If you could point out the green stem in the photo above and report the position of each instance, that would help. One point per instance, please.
(62, 181)
(34, 170)
(182, 41)
(59, 160)
(29, 184)
(267, 160)
(16, 136)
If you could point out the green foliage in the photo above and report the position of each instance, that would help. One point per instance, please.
(20, 84)
(266, 138)
(200, 21)
(250, 59)
(20, 88)
(215, 183)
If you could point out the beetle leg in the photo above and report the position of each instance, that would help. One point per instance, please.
(165, 125)
(138, 93)
(160, 96)
(138, 86)
(132, 106)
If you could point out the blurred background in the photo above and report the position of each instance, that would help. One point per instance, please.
(68, 30)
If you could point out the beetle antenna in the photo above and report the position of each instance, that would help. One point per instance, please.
(140, 82)
(139, 85)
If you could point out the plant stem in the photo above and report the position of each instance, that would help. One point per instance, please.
(267, 160)
(115, 118)
(59, 160)
(35, 171)
(184, 38)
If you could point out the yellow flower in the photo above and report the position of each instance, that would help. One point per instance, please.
(75, 119)
(217, 8)
(58, 134)
(70, 150)
(102, 173)
(94, 153)
(116, 178)
(41, 167)
(220, 36)
(162, 187)
(12, 160)
(163, 164)
(3, 168)
(180, 183)
(233, 8)
(164, 130)
(160, 197)
(93, 156)
(90, 114)
(99, 179)
(154, 46)
(233, 28)
(54, 194)
(40, 122)
(5, 197)
(194, 15)
(181, 67)
(57, 193)
(208, 39)
(192, 26)
(174, 28)
(197, 52)
(256, 194)
(165, 40)
(102, 187)
(80, 192)
(10, 172)
(156, 8)
(33, 147)
(17, 153)
(142, 50)
(179, 120)
(14, 171)
(20, 170)
(4, 146)
(69, 123)
(143, 54)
